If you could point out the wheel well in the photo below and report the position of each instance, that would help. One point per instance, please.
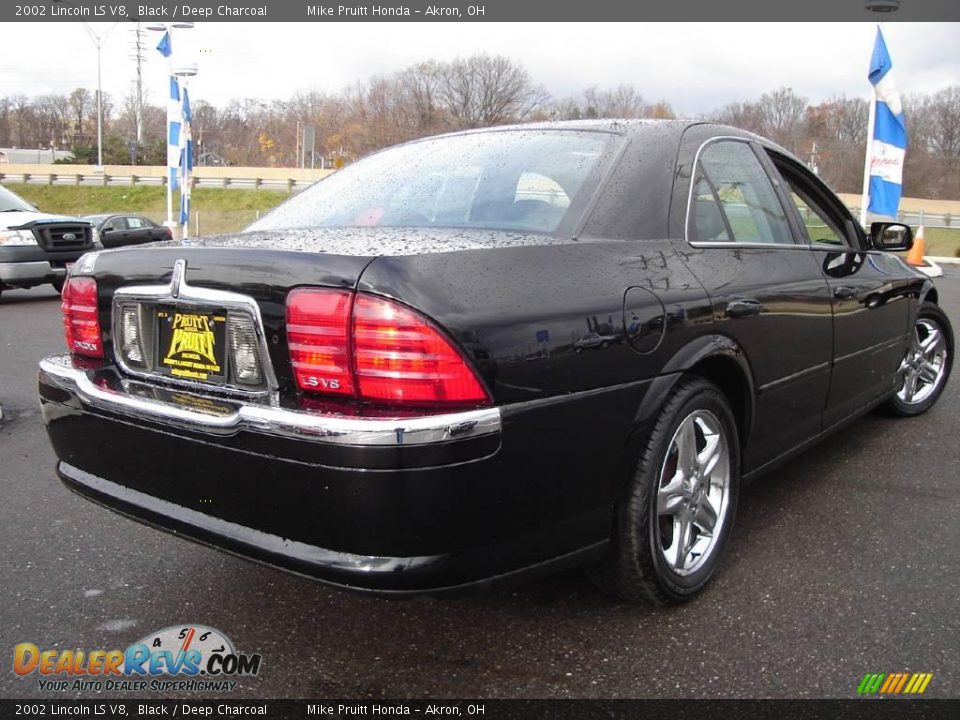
(728, 376)
(932, 296)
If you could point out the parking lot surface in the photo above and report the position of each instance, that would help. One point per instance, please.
(844, 561)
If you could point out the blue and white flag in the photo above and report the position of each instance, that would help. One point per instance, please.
(165, 46)
(174, 117)
(186, 157)
(889, 144)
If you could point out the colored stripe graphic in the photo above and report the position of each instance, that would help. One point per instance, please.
(894, 683)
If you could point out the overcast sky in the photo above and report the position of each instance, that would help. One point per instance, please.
(695, 67)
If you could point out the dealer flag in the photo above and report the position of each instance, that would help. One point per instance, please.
(889, 144)
(186, 156)
(174, 116)
(165, 46)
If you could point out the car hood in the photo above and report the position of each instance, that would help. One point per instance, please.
(20, 218)
(372, 241)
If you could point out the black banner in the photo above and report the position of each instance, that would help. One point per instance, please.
(476, 10)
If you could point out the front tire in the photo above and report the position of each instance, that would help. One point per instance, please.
(926, 365)
(676, 512)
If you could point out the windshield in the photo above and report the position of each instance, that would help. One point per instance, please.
(13, 203)
(522, 180)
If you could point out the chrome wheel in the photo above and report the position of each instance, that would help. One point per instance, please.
(693, 493)
(925, 364)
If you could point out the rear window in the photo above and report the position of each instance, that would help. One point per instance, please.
(523, 180)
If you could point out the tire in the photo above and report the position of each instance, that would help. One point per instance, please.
(58, 285)
(642, 563)
(926, 366)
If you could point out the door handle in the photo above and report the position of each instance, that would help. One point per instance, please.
(744, 307)
(844, 292)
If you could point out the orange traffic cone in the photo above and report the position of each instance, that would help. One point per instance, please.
(915, 256)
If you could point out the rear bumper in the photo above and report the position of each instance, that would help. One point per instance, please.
(384, 505)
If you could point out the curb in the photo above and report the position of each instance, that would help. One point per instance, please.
(944, 260)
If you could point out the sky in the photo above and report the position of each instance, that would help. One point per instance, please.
(696, 67)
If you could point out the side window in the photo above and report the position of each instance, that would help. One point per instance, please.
(747, 199)
(823, 224)
(706, 219)
(135, 223)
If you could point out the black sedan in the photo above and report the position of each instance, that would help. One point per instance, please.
(117, 230)
(378, 384)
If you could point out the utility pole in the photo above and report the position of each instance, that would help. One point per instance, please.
(140, 58)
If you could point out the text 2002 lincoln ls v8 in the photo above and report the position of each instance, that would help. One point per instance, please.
(392, 381)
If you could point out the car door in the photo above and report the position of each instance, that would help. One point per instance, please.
(139, 230)
(870, 293)
(113, 231)
(766, 289)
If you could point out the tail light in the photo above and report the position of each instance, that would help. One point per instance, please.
(376, 350)
(81, 321)
(318, 333)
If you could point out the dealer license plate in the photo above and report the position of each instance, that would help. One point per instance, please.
(191, 343)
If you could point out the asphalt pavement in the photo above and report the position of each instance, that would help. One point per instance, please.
(843, 562)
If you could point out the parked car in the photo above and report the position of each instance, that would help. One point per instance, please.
(347, 389)
(121, 229)
(37, 247)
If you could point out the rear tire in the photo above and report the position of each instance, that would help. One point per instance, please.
(926, 365)
(676, 512)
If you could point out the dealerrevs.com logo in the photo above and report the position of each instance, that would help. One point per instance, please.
(178, 658)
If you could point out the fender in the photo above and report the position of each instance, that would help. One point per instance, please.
(928, 292)
(691, 354)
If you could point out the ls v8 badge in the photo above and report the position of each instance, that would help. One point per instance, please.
(191, 343)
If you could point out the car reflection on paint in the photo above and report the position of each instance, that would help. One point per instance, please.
(593, 340)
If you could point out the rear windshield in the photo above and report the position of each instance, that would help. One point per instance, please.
(523, 180)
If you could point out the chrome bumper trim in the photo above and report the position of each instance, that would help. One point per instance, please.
(58, 371)
(29, 271)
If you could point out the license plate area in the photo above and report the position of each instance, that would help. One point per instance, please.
(191, 343)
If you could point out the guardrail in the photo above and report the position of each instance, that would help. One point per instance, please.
(289, 179)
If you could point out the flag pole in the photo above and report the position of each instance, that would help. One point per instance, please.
(871, 121)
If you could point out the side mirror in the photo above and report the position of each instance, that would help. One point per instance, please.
(891, 236)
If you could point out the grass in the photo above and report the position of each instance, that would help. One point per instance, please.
(220, 210)
(941, 242)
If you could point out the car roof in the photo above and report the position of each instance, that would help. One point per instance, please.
(642, 129)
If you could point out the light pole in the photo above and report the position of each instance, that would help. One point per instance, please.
(169, 28)
(98, 41)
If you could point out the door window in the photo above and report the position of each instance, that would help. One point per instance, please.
(742, 193)
(822, 222)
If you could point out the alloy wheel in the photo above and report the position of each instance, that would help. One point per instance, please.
(693, 493)
(924, 366)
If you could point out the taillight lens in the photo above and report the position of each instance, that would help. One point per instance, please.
(376, 350)
(81, 321)
(318, 334)
(400, 357)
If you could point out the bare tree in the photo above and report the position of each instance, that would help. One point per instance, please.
(481, 90)
(781, 116)
(944, 118)
(80, 102)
